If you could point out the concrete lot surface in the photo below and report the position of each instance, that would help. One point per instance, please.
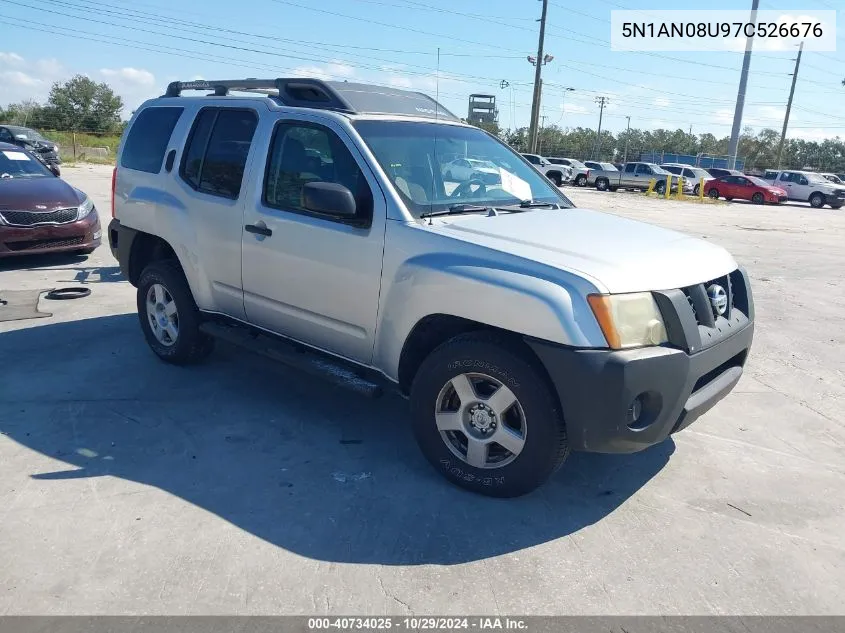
(128, 486)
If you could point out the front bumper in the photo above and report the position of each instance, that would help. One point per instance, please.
(834, 199)
(675, 384)
(81, 235)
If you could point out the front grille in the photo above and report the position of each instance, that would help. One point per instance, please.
(34, 218)
(59, 242)
(699, 300)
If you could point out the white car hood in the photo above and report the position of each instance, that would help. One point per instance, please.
(616, 254)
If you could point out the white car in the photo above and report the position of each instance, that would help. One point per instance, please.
(558, 174)
(580, 171)
(836, 180)
(464, 169)
(808, 186)
(692, 175)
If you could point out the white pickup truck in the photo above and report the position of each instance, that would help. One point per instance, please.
(807, 186)
(313, 219)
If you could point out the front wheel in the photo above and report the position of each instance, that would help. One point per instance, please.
(817, 201)
(696, 190)
(169, 316)
(581, 180)
(660, 188)
(602, 184)
(485, 417)
(757, 198)
(556, 179)
(838, 205)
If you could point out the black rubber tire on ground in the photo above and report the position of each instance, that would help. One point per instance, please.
(546, 446)
(556, 179)
(581, 180)
(85, 251)
(696, 190)
(758, 198)
(728, 198)
(817, 201)
(660, 187)
(602, 184)
(612, 189)
(192, 346)
(836, 206)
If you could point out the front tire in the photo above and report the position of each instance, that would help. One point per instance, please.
(169, 316)
(581, 180)
(696, 190)
(485, 417)
(660, 188)
(602, 184)
(817, 201)
(757, 198)
(556, 179)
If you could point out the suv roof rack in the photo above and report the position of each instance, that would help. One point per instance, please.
(340, 96)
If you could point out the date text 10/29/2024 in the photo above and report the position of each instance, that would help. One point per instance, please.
(421, 623)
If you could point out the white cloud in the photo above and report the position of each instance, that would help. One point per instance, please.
(724, 115)
(10, 59)
(574, 108)
(660, 102)
(332, 70)
(18, 78)
(399, 81)
(137, 76)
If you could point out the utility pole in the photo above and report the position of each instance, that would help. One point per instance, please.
(740, 96)
(627, 136)
(540, 134)
(538, 86)
(789, 103)
(602, 101)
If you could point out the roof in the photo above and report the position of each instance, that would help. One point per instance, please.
(339, 96)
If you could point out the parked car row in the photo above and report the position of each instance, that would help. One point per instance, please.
(45, 151)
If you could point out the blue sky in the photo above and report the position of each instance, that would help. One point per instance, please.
(138, 47)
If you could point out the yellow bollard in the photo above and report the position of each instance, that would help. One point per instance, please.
(668, 191)
(701, 190)
(681, 181)
(651, 184)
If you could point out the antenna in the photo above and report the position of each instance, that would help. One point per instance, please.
(437, 83)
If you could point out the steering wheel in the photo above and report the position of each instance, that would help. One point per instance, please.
(464, 190)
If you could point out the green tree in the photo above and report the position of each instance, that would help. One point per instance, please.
(83, 104)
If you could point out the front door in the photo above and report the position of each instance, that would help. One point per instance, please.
(309, 276)
(795, 185)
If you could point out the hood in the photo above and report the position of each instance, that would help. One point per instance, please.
(38, 194)
(616, 254)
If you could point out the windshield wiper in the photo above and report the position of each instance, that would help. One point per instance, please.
(457, 209)
(530, 204)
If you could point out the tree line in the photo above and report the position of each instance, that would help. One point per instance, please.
(758, 149)
(76, 105)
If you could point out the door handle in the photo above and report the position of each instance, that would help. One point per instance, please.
(259, 229)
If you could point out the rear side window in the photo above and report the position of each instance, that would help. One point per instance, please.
(148, 138)
(215, 156)
(630, 167)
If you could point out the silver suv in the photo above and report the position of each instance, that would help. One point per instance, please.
(318, 217)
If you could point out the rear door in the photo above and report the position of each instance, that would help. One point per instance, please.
(643, 175)
(309, 276)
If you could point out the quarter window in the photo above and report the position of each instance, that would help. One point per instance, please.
(300, 154)
(148, 138)
(215, 155)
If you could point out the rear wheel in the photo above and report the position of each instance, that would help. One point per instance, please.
(817, 201)
(757, 198)
(169, 316)
(486, 418)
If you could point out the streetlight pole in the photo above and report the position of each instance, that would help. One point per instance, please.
(740, 96)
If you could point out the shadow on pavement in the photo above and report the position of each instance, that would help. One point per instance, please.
(316, 470)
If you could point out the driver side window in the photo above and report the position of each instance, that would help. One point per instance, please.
(802, 180)
(643, 169)
(6, 136)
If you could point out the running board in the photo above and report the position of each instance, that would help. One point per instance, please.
(295, 356)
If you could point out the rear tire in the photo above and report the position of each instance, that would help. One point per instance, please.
(526, 416)
(757, 198)
(169, 316)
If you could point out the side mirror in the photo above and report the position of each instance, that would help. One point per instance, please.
(330, 198)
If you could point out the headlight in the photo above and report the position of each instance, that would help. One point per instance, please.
(85, 208)
(629, 320)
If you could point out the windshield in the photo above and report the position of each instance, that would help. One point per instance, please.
(759, 181)
(25, 132)
(17, 164)
(656, 169)
(816, 178)
(577, 164)
(608, 166)
(417, 158)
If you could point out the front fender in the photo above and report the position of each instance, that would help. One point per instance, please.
(549, 305)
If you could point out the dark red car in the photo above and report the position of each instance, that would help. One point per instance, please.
(744, 188)
(40, 212)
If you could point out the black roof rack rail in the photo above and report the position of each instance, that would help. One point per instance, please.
(340, 96)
